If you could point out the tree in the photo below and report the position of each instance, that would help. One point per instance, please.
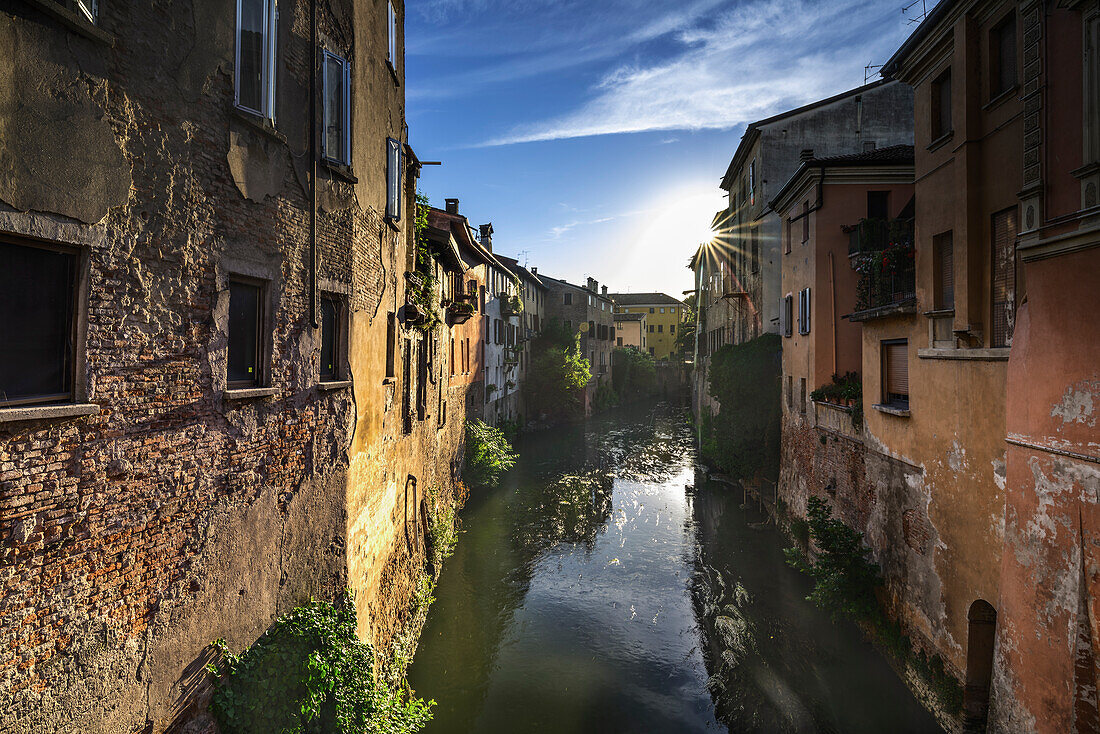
(555, 376)
(633, 373)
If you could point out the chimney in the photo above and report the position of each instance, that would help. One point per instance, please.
(452, 206)
(534, 271)
(487, 236)
(604, 291)
(593, 285)
(807, 154)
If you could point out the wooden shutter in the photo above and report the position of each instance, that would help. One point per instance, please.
(1004, 277)
(945, 254)
(897, 368)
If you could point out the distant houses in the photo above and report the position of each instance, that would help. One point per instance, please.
(928, 249)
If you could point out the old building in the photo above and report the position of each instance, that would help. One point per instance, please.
(663, 318)
(503, 307)
(630, 330)
(857, 201)
(219, 395)
(737, 277)
(589, 312)
(532, 292)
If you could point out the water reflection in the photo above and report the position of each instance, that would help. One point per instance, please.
(591, 593)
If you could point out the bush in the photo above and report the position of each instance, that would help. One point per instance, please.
(310, 674)
(844, 579)
(488, 453)
(555, 377)
(743, 438)
(633, 373)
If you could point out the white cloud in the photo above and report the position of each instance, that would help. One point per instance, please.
(749, 62)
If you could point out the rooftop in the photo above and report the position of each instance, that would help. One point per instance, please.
(629, 316)
(643, 299)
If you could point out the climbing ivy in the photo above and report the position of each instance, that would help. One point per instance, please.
(309, 673)
(422, 285)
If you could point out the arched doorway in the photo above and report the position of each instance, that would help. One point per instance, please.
(979, 664)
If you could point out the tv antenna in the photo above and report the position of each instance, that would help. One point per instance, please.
(525, 253)
(869, 71)
(917, 16)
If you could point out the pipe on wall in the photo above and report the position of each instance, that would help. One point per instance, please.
(313, 315)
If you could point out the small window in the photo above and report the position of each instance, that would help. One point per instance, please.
(245, 327)
(1002, 56)
(256, 33)
(878, 204)
(660, 328)
(672, 328)
(789, 226)
(754, 240)
(786, 315)
(752, 182)
(619, 342)
(805, 222)
(672, 310)
(567, 299)
(332, 329)
(941, 105)
(393, 179)
(651, 310)
(804, 311)
(336, 87)
(662, 310)
(651, 329)
(943, 249)
(391, 345)
(802, 395)
(37, 299)
(391, 24)
(895, 373)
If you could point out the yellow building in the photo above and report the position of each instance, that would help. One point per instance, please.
(662, 319)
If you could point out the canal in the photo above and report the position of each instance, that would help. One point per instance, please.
(605, 587)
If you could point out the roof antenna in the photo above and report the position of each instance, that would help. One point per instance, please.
(917, 17)
(870, 70)
(525, 253)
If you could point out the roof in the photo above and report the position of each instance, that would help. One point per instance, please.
(574, 285)
(629, 316)
(894, 155)
(512, 264)
(461, 232)
(643, 299)
(943, 7)
(753, 130)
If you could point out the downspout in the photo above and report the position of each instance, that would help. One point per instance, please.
(313, 315)
(832, 304)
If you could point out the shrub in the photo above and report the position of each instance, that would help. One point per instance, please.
(488, 453)
(633, 373)
(554, 378)
(309, 673)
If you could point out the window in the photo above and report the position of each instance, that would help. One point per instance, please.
(941, 105)
(789, 225)
(651, 328)
(336, 109)
(1002, 56)
(672, 328)
(752, 181)
(651, 310)
(256, 34)
(619, 342)
(332, 329)
(662, 310)
(452, 360)
(878, 204)
(393, 179)
(802, 395)
(805, 222)
(895, 373)
(37, 299)
(660, 328)
(244, 363)
(943, 251)
(790, 393)
(672, 310)
(391, 24)
(651, 351)
(88, 8)
(1004, 277)
(391, 345)
(567, 299)
(804, 311)
(786, 314)
(754, 238)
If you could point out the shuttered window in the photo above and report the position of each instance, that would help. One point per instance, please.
(393, 179)
(786, 315)
(804, 311)
(1004, 277)
(945, 271)
(941, 105)
(895, 369)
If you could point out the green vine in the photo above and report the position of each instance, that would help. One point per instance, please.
(488, 453)
(422, 286)
(309, 673)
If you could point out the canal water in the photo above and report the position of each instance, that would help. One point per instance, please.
(605, 587)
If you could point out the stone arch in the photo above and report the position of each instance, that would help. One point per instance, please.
(981, 633)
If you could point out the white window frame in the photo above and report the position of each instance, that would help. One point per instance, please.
(391, 30)
(345, 123)
(271, 32)
(394, 158)
(88, 8)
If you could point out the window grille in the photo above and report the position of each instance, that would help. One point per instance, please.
(1004, 277)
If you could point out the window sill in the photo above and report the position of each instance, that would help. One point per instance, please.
(340, 170)
(257, 123)
(393, 224)
(996, 354)
(880, 312)
(250, 392)
(940, 141)
(47, 412)
(333, 385)
(74, 21)
(892, 410)
(1000, 98)
(393, 73)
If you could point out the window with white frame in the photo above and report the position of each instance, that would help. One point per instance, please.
(336, 109)
(88, 8)
(393, 179)
(255, 71)
(391, 24)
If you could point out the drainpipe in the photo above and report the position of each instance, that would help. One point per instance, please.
(313, 315)
(832, 304)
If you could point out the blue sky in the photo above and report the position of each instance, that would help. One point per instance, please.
(593, 134)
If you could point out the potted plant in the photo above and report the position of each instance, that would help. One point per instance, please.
(459, 312)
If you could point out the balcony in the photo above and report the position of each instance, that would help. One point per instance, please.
(882, 252)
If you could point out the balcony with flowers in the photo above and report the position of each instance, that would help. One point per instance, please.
(883, 254)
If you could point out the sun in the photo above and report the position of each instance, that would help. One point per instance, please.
(680, 221)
